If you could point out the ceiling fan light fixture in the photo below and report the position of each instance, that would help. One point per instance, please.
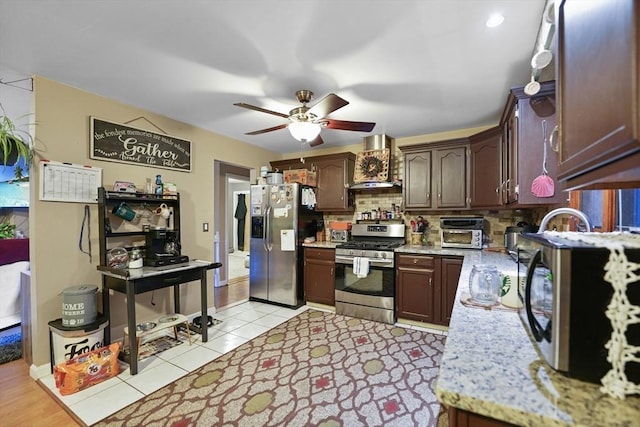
(304, 131)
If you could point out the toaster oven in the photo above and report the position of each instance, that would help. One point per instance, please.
(340, 236)
(461, 232)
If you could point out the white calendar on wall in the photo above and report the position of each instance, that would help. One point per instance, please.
(67, 182)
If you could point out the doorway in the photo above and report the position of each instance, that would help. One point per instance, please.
(238, 215)
(231, 281)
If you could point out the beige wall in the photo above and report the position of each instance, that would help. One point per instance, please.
(63, 134)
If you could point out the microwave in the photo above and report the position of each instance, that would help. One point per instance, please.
(461, 232)
(565, 299)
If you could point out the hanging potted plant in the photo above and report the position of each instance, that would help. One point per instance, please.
(14, 144)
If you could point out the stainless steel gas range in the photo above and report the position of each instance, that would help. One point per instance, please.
(365, 274)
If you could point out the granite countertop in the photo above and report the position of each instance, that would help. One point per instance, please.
(140, 273)
(326, 245)
(490, 366)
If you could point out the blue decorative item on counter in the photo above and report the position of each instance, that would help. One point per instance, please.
(158, 185)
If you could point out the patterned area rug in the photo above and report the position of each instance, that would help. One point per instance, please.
(10, 347)
(318, 369)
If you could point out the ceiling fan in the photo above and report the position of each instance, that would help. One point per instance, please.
(305, 122)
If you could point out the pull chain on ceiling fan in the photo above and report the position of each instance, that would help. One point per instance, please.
(306, 123)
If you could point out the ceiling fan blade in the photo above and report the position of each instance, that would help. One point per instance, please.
(327, 105)
(316, 141)
(260, 109)
(348, 125)
(258, 132)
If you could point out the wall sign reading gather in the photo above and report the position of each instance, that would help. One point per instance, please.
(125, 144)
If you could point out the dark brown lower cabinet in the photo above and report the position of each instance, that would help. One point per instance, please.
(426, 287)
(462, 418)
(319, 275)
(450, 268)
(416, 297)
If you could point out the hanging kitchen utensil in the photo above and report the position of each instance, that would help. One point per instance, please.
(532, 87)
(543, 185)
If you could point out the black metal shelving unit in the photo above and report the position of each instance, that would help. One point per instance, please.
(107, 200)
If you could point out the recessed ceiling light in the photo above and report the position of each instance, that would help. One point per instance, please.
(494, 20)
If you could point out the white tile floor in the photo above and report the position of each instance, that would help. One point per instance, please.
(240, 324)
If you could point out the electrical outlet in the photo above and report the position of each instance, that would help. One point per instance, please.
(205, 226)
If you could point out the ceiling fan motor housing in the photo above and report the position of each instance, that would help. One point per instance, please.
(304, 96)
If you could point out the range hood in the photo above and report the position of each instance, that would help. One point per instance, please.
(373, 169)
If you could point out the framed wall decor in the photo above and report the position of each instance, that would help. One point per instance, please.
(116, 142)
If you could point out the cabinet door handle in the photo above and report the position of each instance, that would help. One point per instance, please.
(332, 271)
(430, 281)
(555, 148)
(415, 260)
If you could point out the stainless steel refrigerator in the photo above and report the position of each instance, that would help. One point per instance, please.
(279, 225)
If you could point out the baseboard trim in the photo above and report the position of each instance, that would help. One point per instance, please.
(37, 372)
(236, 280)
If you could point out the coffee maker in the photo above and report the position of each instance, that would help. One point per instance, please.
(163, 248)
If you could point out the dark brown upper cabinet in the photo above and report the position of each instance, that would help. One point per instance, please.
(436, 175)
(525, 145)
(486, 166)
(597, 68)
(334, 176)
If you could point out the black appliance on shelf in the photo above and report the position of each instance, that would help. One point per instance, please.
(162, 247)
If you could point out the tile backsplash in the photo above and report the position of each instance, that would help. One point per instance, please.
(496, 221)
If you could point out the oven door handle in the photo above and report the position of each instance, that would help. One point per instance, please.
(375, 262)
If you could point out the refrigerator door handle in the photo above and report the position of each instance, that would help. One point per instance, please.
(268, 240)
(264, 230)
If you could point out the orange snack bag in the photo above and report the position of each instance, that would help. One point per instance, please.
(87, 369)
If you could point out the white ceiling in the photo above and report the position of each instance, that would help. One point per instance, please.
(411, 66)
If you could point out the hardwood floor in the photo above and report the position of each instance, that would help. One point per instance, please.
(26, 403)
(236, 290)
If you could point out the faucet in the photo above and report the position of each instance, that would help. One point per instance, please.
(560, 211)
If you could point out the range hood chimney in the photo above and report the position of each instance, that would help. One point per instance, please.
(373, 158)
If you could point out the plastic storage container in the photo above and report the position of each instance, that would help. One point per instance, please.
(79, 305)
(67, 342)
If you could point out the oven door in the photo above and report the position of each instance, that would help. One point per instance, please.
(379, 282)
(371, 297)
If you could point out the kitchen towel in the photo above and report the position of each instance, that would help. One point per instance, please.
(361, 267)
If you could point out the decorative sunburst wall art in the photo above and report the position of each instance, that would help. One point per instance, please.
(372, 166)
